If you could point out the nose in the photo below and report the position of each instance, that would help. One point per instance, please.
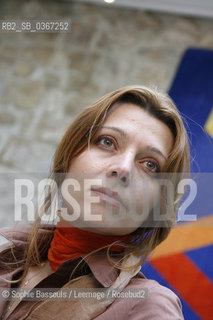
(121, 168)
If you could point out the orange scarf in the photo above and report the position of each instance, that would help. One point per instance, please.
(69, 243)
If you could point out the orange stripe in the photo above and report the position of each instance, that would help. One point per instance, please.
(186, 236)
(192, 285)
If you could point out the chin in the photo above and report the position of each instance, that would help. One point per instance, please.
(110, 231)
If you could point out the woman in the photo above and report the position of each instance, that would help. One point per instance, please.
(110, 167)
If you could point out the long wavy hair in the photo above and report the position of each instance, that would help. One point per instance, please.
(77, 138)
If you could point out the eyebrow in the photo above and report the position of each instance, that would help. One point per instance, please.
(156, 150)
(124, 134)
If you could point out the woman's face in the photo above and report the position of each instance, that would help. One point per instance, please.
(117, 174)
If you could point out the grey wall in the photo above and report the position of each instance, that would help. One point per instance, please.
(46, 79)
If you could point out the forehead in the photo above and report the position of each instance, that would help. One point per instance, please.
(137, 124)
(131, 113)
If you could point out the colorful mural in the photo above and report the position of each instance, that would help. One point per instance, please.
(184, 261)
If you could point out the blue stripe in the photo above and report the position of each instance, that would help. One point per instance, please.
(192, 92)
(151, 273)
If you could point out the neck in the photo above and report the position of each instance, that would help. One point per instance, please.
(70, 242)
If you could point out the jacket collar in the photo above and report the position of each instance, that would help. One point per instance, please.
(102, 270)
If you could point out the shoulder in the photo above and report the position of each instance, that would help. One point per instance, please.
(13, 237)
(158, 302)
(17, 238)
(9, 237)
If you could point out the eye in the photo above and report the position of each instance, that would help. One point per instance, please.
(106, 142)
(152, 166)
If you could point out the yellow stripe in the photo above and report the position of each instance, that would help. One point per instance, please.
(209, 124)
(186, 236)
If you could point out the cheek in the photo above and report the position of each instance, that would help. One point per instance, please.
(77, 164)
(80, 166)
(146, 196)
(87, 163)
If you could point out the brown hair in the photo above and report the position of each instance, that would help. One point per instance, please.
(81, 132)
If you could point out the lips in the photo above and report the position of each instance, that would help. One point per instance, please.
(109, 196)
